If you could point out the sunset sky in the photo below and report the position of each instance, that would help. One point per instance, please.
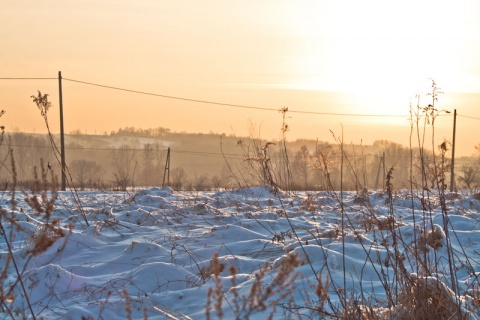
(340, 57)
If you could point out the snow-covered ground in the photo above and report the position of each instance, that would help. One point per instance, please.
(150, 254)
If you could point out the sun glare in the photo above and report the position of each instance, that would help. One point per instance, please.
(380, 51)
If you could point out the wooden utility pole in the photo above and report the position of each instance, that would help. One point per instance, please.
(166, 172)
(452, 173)
(62, 137)
(381, 165)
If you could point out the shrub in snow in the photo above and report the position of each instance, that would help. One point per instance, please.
(428, 298)
(434, 238)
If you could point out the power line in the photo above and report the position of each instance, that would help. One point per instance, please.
(169, 97)
(219, 103)
(469, 117)
(230, 104)
(189, 152)
(28, 78)
(198, 153)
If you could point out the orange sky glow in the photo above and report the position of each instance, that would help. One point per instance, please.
(339, 60)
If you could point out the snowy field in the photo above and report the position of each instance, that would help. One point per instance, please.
(150, 254)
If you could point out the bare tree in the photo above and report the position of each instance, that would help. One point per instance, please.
(153, 164)
(216, 182)
(301, 166)
(85, 171)
(124, 165)
(178, 178)
(28, 150)
(394, 156)
(200, 182)
(148, 164)
(325, 166)
(469, 176)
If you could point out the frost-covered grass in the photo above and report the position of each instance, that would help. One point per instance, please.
(247, 253)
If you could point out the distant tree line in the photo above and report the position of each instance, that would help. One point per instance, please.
(304, 166)
(132, 131)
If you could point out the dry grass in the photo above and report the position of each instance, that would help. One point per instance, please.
(427, 298)
(262, 297)
(44, 237)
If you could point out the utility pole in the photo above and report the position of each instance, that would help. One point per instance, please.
(452, 173)
(166, 172)
(380, 163)
(62, 138)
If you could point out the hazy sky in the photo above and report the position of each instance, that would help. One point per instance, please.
(357, 57)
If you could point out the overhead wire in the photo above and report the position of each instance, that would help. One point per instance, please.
(469, 117)
(219, 103)
(13, 78)
(230, 104)
(199, 153)
(180, 151)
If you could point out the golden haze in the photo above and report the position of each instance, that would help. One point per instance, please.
(342, 57)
